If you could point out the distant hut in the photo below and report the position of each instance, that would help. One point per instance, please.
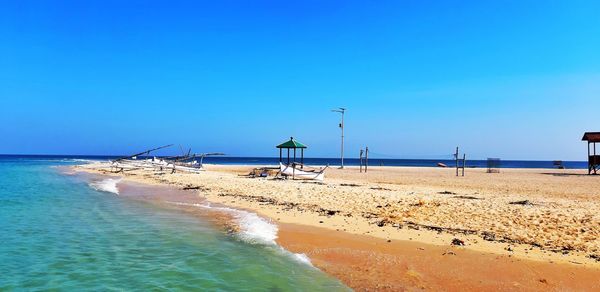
(289, 145)
(593, 160)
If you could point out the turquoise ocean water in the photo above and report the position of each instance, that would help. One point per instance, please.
(59, 233)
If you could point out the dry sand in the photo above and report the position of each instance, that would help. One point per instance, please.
(557, 223)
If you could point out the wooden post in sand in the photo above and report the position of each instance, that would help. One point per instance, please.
(366, 159)
(463, 163)
(456, 160)
(361, 159)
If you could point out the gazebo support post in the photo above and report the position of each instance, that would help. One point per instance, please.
(294, 165)
(280, 155)
(302, 158)
(288, 162)
(595, 157)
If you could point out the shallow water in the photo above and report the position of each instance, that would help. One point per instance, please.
(58, 232)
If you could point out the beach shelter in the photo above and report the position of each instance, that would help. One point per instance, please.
(593, 160)
(291, 144)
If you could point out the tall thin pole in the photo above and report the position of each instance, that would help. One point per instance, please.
(366, 158)
(342, 111)
(343, 139)
(463, 163)
(361, 160)
(456, 160)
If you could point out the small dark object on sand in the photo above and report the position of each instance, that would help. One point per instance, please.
(524, 202)
(594, 257)
(349, 185)
(380, 189)
(489, 236)
(447, 193)
(457, 241)
(449, 252)
(467, 197)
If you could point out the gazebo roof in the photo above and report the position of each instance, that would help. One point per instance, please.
(291, 144)
(591, 137)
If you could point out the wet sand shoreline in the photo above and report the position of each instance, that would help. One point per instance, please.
(367, 263)
(554, 266)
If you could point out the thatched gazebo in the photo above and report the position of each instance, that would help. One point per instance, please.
(291, 144)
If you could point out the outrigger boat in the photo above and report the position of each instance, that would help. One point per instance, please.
(185, 162)
(295, 171)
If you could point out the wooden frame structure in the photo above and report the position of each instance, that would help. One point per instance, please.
(593, 159)
(364, 160)
(460, 163)
(292, 144)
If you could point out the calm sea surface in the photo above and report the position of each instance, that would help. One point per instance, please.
(336, 161)
(57, 232)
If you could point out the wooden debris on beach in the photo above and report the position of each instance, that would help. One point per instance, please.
(524, 203)
(467, 197)
(380, 189)
(447, 193)
(262, 172)
(349, 185)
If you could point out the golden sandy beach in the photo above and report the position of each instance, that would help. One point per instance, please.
(521, 228)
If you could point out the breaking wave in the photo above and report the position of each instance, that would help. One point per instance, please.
(253, 228)
(106, 185)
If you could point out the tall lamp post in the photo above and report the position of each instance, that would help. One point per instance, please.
(342, 111)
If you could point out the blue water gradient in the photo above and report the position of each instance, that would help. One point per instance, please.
(57, 233)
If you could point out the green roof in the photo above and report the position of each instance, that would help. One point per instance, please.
(291, 144)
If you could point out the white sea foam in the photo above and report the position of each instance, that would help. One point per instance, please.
(85, 160)
(302, 258)
(254, 229)
(106, 185)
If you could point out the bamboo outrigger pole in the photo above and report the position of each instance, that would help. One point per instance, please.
(142, 153)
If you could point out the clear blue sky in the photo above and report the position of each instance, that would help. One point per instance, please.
(509, 79)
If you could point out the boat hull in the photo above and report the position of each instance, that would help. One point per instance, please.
(301, 174)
